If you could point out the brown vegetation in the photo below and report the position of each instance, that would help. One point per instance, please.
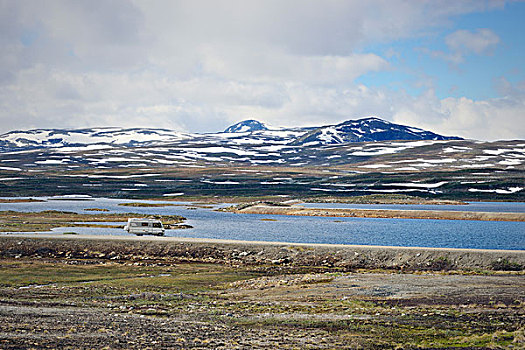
(383, 213)
(157, 293)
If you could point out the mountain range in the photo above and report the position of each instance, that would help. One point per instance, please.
(370, 129)
(355, 157)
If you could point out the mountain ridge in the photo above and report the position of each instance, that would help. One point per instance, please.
(149, 163)
(370, 129)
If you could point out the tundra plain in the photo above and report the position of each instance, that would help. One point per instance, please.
(150, 292)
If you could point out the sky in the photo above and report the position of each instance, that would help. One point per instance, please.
(450, 66)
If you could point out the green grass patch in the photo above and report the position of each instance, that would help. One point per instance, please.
(123, 277)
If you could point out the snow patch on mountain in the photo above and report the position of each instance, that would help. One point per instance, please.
(81, 137)
(243, 134)
(249, 125)
(371, 129)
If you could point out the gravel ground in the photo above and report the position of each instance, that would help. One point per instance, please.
(160, 294)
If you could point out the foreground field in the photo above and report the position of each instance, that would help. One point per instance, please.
(67, 293)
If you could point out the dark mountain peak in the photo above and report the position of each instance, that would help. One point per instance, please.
(246, 126)
(366, 120)
(370, 129)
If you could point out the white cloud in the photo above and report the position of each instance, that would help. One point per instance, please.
(201, 65)
(491, 119)
(277, 66)
(462, 43)
(479, 41)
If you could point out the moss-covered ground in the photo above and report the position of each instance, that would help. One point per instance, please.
(75, 303)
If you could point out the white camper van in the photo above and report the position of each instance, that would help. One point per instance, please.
(145, 227)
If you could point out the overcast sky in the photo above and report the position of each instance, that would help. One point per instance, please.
(453, 67)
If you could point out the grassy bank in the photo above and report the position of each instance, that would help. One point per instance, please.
(14, 221)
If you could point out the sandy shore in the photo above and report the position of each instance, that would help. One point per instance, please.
(384, 213)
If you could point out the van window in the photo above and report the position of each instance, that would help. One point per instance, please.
(134, 224)
(145, 224)
(156, 224)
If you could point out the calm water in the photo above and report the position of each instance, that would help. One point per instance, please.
(366, 231)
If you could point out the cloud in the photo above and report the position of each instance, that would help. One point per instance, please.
(206, 105)
(466, 41)
(201, 65)
(278, 66)
(462, 43)
(490, 119)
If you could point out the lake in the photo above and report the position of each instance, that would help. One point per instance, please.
(301, 229)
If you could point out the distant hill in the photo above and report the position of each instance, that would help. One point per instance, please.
(246, 126)
(370, 129)
(249, 131)
(43, 138)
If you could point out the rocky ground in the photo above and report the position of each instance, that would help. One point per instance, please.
(80, 293)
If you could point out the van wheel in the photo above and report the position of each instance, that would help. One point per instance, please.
(139, 234)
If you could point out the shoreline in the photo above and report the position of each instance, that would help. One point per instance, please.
(383, 213)
(175, 239)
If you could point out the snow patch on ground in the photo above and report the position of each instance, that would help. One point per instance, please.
(221, 182)
(9, 168)
(11, 178)
(417, 184)
(377, 151)
(510, 162)
(455, 149)
(408, 168)
(509, 190)
(496, 152)
(375, 166)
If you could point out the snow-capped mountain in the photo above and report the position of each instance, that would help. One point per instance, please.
(387, 158)
(39, 138)
(248, 132)
(371, 129)
(249, 125)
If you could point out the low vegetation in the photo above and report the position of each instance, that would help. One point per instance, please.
(382, 199)
(13, 221)
(20, 200)
(504, 264)
(241, 183)
(261, 208)
(150, 304)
